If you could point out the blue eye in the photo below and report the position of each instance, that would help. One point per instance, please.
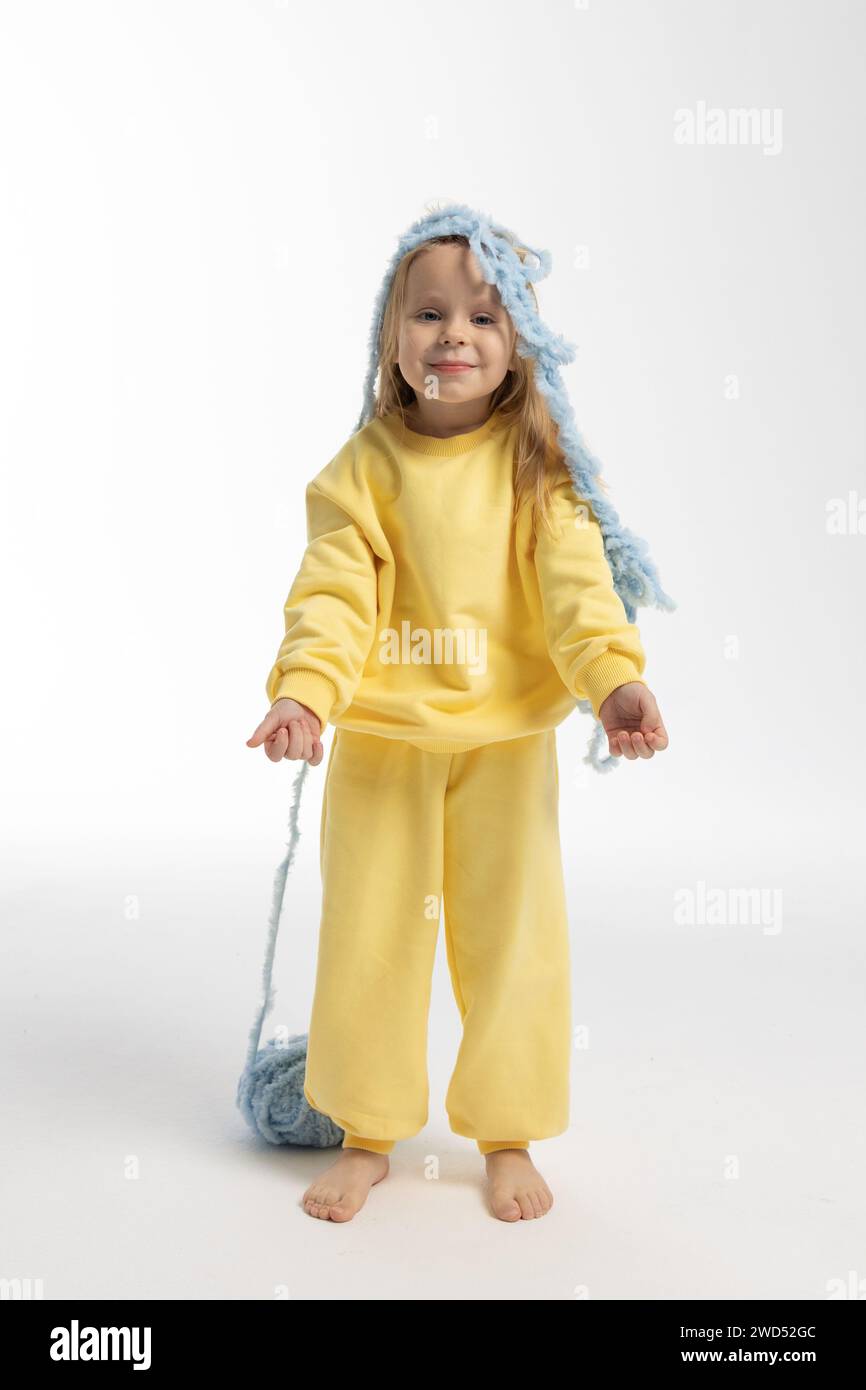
(435, 312)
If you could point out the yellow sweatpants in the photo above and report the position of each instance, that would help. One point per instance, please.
(404, 831)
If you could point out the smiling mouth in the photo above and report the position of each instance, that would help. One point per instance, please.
(453, 366)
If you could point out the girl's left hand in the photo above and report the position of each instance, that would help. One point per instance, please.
(632, 722)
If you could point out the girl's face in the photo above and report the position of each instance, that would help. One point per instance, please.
(451, 314)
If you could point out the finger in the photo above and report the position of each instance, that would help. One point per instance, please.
(267, 726)
(311, 750)
(275, 746)
(657, 737)
(316, 752)
(625, 740)
(295, 749)
(308, 742)
(296, 740)
(640, 745)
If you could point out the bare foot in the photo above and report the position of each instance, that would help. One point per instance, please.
(342, 1189)
(517, 1190)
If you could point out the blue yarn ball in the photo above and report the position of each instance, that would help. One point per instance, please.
(271, 1097)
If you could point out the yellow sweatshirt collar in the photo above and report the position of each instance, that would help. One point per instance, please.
(441, 448)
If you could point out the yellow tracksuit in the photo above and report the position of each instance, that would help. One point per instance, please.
(445, 644)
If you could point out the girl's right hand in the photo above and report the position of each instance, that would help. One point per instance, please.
(290, 730)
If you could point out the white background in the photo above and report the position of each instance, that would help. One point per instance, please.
(198, 203)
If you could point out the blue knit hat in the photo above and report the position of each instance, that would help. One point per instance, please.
(270, 1090)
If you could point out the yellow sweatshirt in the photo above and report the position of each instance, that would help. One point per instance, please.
(422, 611)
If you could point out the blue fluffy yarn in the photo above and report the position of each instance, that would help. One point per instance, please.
(271, 1097)
(270, 1092)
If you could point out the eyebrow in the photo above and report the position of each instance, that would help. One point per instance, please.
(482, 297)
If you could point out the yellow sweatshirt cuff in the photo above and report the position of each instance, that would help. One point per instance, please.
(604, 674)
(309, 688)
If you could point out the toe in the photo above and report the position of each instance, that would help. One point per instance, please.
(342, 1211)
(535, 1198)
(505, 1207)
(328, 1204)
(525, 1203)
(317, 1202)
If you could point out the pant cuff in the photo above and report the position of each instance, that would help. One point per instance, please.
(489, 1146)
(377, 1146)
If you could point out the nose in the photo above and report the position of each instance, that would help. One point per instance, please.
(451, 335)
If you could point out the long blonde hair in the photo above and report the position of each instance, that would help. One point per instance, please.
(539, 461)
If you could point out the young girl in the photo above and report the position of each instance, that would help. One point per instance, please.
(453, 604)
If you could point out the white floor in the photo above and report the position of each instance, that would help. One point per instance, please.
(717, 1140)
